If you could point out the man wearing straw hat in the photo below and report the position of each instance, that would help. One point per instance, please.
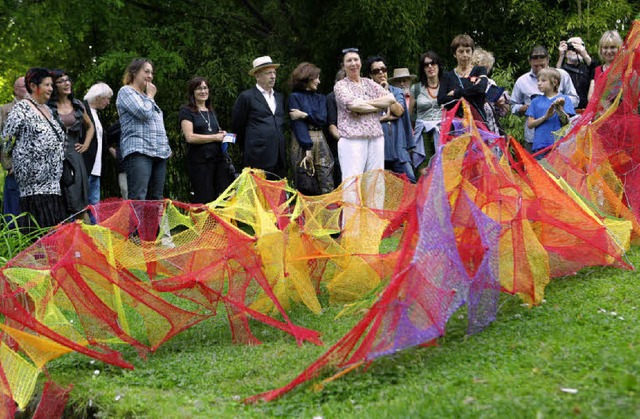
(258, 120)
(403, 79)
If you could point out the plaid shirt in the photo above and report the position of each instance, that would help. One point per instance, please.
(142, 125)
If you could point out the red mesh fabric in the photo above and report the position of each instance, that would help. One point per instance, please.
(53, 401)
(605, 140)
(7, 405)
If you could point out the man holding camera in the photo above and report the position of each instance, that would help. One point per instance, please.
(526, 88)
(575, 60)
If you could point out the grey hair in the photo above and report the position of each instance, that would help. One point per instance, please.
(97, 91)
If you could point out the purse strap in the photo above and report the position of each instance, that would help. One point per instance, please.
(47, 119)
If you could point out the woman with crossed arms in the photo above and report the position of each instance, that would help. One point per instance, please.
(360, 104)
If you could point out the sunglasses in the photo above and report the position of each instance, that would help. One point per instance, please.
(378, 70)
(346, 50)
(429, 64)
(537, 56)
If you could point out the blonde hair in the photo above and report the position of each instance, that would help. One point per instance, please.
(609, 37)
(551, 74)
(483, 58)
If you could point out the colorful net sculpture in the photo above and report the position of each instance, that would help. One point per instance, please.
(548, 224)
(488, 218)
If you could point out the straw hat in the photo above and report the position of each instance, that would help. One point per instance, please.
(261, 63)
(402, 73)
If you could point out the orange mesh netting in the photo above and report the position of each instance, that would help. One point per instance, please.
(548, 227)
(486, 218)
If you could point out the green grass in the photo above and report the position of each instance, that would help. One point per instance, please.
(14, 240)
(516, 368)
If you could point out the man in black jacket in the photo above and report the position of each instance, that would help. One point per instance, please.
(258, 120)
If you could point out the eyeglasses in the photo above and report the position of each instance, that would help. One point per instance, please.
(378, 70)
(202, 88)
(346, 50)
(429, 64)
(537, 56)
(63, 80)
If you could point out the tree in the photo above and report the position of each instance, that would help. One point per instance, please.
(219, 39)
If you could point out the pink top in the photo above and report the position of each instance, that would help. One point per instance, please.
(352, 124)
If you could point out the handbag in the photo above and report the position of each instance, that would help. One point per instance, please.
(229, 168)
(306, 180)
(68, 173)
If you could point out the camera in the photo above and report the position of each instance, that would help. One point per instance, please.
(229, 167)
(570, 47)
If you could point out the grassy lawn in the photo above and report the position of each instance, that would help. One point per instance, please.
(575, 355)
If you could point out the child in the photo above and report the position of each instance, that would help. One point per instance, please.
(548, 112)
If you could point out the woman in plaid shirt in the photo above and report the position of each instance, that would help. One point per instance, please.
(144, 143)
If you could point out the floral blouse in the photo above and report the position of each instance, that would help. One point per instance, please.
(38, 151)
(353, 124)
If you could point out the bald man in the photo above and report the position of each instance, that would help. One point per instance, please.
(11, 193)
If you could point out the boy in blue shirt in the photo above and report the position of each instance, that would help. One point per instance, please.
(548, 112)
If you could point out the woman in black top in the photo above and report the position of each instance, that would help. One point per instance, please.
(205, 160)
(465, 81)
(79, 129)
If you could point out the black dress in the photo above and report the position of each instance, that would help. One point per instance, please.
(205, 162)
(76, 193)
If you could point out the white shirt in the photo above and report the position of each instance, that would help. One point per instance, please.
(527, 86)
(97, 164)
(270, 97)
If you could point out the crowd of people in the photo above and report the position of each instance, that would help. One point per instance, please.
(53, 143)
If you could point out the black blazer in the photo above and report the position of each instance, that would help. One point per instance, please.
(260, 133)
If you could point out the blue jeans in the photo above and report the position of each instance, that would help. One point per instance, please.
(11, 196)
(145, 176)
(11, 199)
(94, 189)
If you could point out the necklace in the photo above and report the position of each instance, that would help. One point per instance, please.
(207, 120)
(464, 74)
(41, 107)
(434, 88)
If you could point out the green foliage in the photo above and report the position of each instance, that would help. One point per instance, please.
(512, 124)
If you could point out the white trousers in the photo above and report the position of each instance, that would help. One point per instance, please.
(359, 155)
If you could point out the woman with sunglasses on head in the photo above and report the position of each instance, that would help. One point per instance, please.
(425, 105)
(360, 101)
(38, 151)
(79, 129)
(205, 159)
